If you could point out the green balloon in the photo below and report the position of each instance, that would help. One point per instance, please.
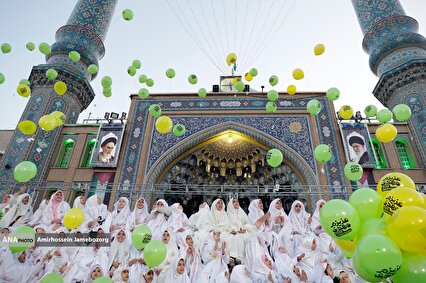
(378, 255)
(74, 56)
(53, 278)
(45, 48)
(402, 112)
(273, 80)
(179, 130)
(271, 107)
(370, 111)
(240, 86)
(25, 81)
(155, 110)
(274, 157)
(107, 92)
(103, 279)
(202, 92)
(367, 203)
(333, 93)
(322, 153)
(384, 115)
(30, 46)
(142, 79)
(51, 74)
(361, 271)
(273, 95)
(2, 78)
(154, 253)
(253, 72)
(353, 171)
(313, 107)
(6, 48)
(25, 239)
(127, 14)
(149, 82)
(131, 71)
(412, 269)
(92, 69)
(143, 93)
(141, 236)
(106, 81)
(137, 64)
(339, 219)
(25, 171)
(192, 79)
(373, 226)
(170, 73)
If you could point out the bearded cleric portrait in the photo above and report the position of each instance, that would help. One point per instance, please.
(108, 146)
(360, 153)
(105, 154)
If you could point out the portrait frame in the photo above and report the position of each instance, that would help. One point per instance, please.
(108, 134)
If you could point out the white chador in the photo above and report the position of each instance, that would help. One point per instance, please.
(121, 214)
(179, 223)
(172, 253)
(240, 227)
(55, 211)
(191, 254)
(215, 256)
(19, 214)
(260, 221)
(139, 214)
(96, 214)
(176, 273)
(158, 220)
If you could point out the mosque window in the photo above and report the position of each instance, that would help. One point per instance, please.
(381, 161)
(66, 152)
(405, 154)
(87, 162)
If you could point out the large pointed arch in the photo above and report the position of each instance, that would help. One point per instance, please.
(187, 145)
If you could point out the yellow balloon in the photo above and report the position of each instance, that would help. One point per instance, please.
(27, 127)
(298, 74)
(346, 112)
(346, 244)
(59, 117)
(235, 81)
(23, 90)
(386, 133)
(60, 87)
(392, 181)
(164, 124)
(291, 89)
(407, 227)
(401, 197)
(73, 218)
(248, 77)
(47, 123)
(319, 49)
(231, 58)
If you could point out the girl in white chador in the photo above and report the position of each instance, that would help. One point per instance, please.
(119, 251)
(261, 221)
(190, 253)
(96, 214)
(240, 227)
(215, 256)
(80, 202)
(121, 214)
(178, 222)
(278, 216)
(139, 214)
(240, 274)
(121, 275)
(316, 223)
(19, 214)
(55, 212)
(309, 257)
(172, 254)
(203, 208)
(95, 271)
(176, 273)
(37, 217)
(158, 220)
(300, 221)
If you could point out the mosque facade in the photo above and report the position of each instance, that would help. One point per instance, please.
(222, 152)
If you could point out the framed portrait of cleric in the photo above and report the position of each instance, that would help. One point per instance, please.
(108, 145)
(358, 145)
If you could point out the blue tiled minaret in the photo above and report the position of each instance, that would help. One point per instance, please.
(398, 57)
(84, 32)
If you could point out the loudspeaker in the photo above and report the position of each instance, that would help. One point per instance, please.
(215, 88)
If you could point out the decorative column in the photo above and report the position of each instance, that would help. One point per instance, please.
(398, 57)
(84, 32)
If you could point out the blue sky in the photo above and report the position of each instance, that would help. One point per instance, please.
(157, 38)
